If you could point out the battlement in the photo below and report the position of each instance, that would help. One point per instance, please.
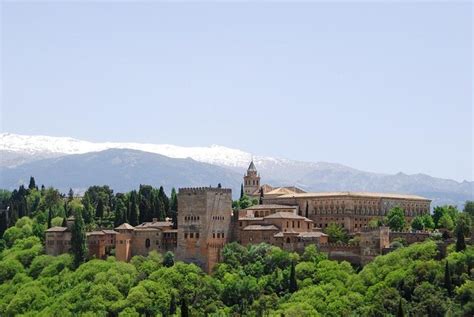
(201, 190)
(368, 229)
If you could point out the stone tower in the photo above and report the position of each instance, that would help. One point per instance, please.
(204, 219)
(251, 181)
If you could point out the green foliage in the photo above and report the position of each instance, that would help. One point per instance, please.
(446, 222)
(469, 208)
(168, 259)
(78, 240)
(336, 233)
(257, 280)
(418, 223)
(396, 219)
(463, 228)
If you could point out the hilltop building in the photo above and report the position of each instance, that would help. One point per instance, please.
(289, 218)
(253, 189)
(351, 210)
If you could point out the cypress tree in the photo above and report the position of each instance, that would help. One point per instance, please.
(460, 242)
(172, 309)
(49, 218)
(174, 219)
(133, 217)
(184, 308)
(241, 191)
(165, 200)
(32, 184)
(306, 213)
(70, 194)
(260, 202)
(400, 312)
(293, 284)
(447, 279)
(78, 240)
(174, 200)
(64, 224)
(99, 211)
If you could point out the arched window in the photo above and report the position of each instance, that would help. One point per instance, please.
(147, 243)
(287, 240)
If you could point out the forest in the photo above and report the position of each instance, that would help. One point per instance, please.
(258, 280)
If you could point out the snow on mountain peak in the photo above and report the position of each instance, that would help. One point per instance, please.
(54, 146)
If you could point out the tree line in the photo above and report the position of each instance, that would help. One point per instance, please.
(99, 206)
(258, 280)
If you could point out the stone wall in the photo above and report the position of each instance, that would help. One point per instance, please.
(204, 220)
(409, 236)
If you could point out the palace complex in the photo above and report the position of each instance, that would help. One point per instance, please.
(288, 217)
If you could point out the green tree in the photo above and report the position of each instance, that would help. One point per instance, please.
(428, 221)
(168, 259)
(99, 210)
(336, 233)
(400, 312)
(133, 209)
(446, 222)
(396, 219)
(447, 279)
(78, 240)
(293, 285)
(32, 184)
(462, 229)
(418, 223)
(241, 191)
(174, 200)
(469, 208)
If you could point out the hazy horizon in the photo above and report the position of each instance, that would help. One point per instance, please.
(380, 87)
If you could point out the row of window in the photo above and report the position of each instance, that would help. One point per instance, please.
(218, 235)
(217, 217)
(191, 218)
(191, 235)
(253, 182)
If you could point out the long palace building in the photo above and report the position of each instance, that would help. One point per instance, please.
(288, 217)
(351, 210)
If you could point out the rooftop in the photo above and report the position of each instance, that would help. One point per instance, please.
(269, 206)
(261, 227)
(125, 226)
(155, 224)
(252, 167)
(354, 194)
(57, 229)
(285, 215)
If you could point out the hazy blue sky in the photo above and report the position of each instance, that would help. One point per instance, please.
(383, 87)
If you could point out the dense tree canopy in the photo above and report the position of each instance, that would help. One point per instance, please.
(258, 280)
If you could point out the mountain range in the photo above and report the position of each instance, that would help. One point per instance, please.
(66, 162)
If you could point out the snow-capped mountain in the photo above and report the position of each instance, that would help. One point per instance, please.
(47, 146)
(48, 157)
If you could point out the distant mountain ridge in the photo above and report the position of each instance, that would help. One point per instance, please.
(41, 156)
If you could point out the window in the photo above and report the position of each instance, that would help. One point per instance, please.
(147, 243)
(191, 235)
(185, 235)
(222, 234)
(240, 223)
(213, 235)
(287, 240)
(197, 235)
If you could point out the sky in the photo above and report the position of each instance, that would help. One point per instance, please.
(379, 86)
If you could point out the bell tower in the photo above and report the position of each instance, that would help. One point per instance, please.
(251, 180)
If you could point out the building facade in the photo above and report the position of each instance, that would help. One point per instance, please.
(204, 223)
(351, 210)
(289, 218)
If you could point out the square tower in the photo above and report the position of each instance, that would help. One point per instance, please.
(204, 219)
